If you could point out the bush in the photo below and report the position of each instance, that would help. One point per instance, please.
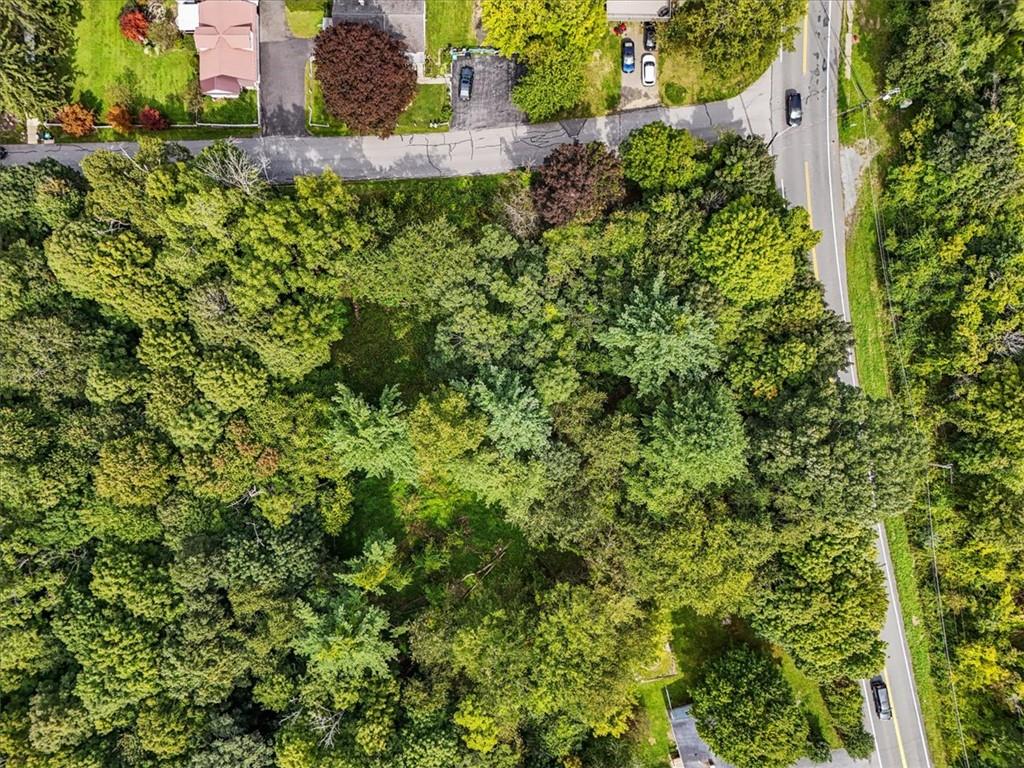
(134, 26)
(76, 120)
(151, 119)
(120, 119)
(345, 54)
(578, 181)
(164, 34)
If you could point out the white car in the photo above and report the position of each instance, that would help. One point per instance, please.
(647, 67)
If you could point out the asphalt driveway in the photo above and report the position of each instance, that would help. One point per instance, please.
(491, 103)
(282, 73)
(634, 94)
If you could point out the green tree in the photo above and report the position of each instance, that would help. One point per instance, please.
(375, 440)
(735, 38)
(654, 338)
(746, 711)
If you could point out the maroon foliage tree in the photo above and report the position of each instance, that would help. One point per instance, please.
(578, 181)
(151, 119)
(134, 25)
(365, 77)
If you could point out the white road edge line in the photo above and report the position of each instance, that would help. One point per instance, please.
(871, 722)
(831, 194)
(884, 549)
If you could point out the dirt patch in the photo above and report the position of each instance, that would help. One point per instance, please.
(852, 162)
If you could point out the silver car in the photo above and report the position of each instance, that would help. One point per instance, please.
(647, 70)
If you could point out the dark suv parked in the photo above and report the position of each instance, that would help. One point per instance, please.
(465, 83)
(880, 694)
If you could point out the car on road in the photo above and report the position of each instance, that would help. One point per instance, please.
(3, 153)
(647, 70)
(465, 83)
(628, 56)
(794, 108)
(880, 696)
(650, 36)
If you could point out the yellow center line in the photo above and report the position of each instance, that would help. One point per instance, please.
(810, 216)
(807, 21)
(895, 724)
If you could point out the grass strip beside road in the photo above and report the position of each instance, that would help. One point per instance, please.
(867, 297)
(918, 640)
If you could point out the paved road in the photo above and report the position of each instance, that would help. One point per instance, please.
(807, 170)
(456, 153)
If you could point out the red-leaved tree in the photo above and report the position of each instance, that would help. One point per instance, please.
(578, 181)
(151, 119)
(120, 119)
(134, 25)
(76, 120)
(365, 77)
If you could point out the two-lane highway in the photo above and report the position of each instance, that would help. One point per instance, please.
(807, 171)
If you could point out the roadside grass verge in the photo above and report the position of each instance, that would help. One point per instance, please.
(866, 81)
(305, 17)
(868, 311)
(918, 639)
(104, 59)
(449, 24)
(102, 135)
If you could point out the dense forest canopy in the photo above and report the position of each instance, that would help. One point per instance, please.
(954, 217)
(365, 475)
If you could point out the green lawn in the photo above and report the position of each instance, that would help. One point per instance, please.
(603, 79)
(104, 58)
(683, 79)
(305, 17)
(241, 111)
(653, 727)
(809, 696)
(449, 24)
(430, 105)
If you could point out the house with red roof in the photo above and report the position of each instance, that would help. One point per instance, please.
(226, 34)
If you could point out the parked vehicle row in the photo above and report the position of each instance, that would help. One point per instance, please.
(648, 63)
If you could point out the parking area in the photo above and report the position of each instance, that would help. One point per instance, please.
(402, 18)
(634, 95)
(491, 102)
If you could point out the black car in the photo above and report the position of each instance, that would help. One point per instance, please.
(465, 83)
(3, 153)
(794, 108)
(650, 36)
(880, 695)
